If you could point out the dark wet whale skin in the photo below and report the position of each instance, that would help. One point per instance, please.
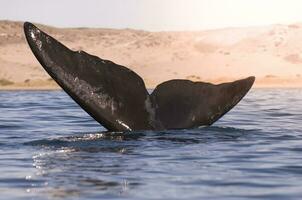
(117, 98)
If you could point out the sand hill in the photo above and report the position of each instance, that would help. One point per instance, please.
(273, 54)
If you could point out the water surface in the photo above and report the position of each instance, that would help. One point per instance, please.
(51, 149)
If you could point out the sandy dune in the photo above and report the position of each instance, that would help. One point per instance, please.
(273, 54)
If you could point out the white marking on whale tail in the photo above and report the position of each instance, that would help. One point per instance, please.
(32, 35)
(123, 124)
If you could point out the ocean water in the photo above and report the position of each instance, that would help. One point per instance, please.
(51, 149)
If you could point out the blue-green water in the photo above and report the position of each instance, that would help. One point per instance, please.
(51, 149)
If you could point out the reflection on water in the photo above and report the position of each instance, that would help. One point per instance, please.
(51, 149)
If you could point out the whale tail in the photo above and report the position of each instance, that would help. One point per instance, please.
(117, 98)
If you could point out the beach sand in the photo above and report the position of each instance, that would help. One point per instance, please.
(272, 53)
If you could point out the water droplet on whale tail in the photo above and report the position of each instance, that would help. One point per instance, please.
(117, 98)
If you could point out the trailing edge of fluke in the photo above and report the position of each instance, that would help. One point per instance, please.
(117, 98)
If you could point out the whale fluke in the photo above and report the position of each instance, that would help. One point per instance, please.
(117, 98)
(187, 104)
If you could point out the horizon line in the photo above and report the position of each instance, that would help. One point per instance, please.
(137, 29)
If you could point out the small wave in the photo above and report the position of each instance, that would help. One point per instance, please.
(228, 129)
(284, 170)
(86, 137)
(21, 182)
(93, 142)
(110, 141)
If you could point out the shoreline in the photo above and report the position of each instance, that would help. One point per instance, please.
(57, 88)
(261, 82)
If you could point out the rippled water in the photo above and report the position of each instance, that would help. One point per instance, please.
(51, 149)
